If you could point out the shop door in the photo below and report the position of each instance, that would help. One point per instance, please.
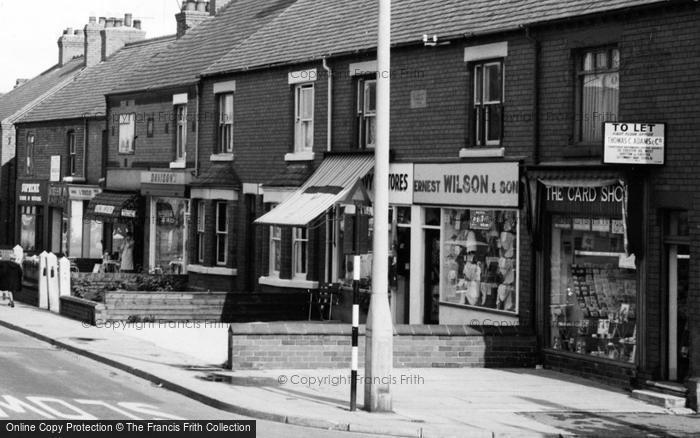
(403, 280)
(678, 334)
(432, 276)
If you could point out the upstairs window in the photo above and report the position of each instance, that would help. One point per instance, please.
(29, 159)
(127, 130)
(225, 144)
(367, 113)
(598, 92)
(180, 132)
(488, 103)
(304, 118)
(72, 156)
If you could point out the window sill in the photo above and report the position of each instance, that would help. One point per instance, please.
(74, 179)
(221, 157)
(212, 270)
(178, 165)
(300, 156)
(293, 283)
(482, 152)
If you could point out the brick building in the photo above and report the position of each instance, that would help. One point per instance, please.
(61, 147)
(175, 164)
(249, 143)
(16, 103)
(527, 85)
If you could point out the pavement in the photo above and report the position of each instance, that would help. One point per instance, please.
(472, 402)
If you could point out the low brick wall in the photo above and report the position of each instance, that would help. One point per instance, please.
(309, 346)
(28, 295)
(94, 284)
(82, 310)
(602, 370)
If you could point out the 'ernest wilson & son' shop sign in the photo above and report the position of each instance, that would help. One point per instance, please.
(467, 184)
(634, 143)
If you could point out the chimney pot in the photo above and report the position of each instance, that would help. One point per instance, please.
(78, 32)
(103, 21)
(92, 20)
(137, 24)
(128, 20)
(68, 31)
(110, 22)
(118, 22)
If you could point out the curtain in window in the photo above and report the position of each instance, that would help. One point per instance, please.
(600, 98)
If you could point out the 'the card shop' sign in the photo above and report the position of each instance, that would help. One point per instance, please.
(468, 184)
(634, 143)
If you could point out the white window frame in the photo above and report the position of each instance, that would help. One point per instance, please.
(72, 154)
(303, 124)
(365, 115)
(127, 133)
(180, 133)
(221, 233)
(274, 249)
(482, 106)
(201, 230)
(225, 126)
(300, 245)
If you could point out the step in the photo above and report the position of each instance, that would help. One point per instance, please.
(672, 388)
(666, 401)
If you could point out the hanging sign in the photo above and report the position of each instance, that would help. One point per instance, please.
(634, 143)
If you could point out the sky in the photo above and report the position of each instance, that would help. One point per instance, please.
(29, 30)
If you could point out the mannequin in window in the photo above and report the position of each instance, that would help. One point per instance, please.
(127, 253)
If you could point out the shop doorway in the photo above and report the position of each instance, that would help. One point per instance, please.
(403, 274)
(432, 276)
(677, 333)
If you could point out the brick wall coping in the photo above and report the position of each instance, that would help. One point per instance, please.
(303, 328)
(80, 301)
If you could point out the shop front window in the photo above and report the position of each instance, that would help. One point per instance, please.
(355, 238)
(28, 231)
(593, 301)
(170, 232)
(479, 258)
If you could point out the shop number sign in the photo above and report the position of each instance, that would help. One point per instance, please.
(468, 184)
(634, 143)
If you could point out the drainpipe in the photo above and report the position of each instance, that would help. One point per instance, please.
(535, 97)
(534, 277)
(85, 150)
(329, 72)
(196, 130)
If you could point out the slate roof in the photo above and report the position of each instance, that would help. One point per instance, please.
(218, 175)
(312, 29)
(85, 96)
(14, 103)
(187, 57)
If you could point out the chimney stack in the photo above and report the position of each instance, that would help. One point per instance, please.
(191, 14)
(114, 38)
(105, 37)
(216, 5)
(70, 45)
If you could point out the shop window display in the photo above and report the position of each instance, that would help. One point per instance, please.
(593, 301)
(479, 258)
(170, 234)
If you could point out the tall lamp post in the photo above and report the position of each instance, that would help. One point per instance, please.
(379, 350)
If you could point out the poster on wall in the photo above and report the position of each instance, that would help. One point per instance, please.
(634, 143)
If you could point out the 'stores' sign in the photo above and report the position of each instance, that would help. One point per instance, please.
(634, 143)
(467, 184)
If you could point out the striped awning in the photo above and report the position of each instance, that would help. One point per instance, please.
(113, 207)
(332, 182)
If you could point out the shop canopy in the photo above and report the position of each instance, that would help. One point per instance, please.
(113, 207)
(335, 181)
